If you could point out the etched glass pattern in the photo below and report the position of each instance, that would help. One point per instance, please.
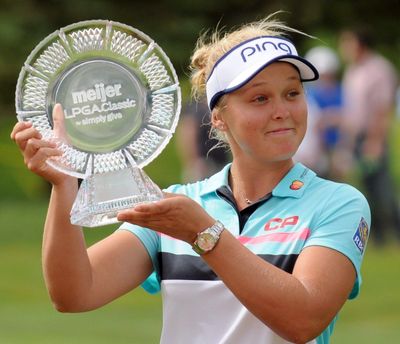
(87, 40)
(51, 59)
(126, 45)
(162, 110)
(109, 162)
(122, 44)
(34, 96)
(113, 81)
(155, 72)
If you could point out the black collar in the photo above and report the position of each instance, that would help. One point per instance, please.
(226, 193)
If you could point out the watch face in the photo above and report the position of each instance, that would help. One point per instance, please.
(206, 241)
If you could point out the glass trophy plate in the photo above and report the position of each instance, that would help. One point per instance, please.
(121, 100)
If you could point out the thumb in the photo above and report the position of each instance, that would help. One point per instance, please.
(59, 122)
(169, 195)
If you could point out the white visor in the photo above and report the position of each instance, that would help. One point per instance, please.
(240, 64)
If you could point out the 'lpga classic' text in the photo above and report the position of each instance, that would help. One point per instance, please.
(100, 104)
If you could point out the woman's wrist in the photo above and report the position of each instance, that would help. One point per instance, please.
(66, 184)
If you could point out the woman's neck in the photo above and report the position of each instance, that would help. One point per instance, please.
(250, 182)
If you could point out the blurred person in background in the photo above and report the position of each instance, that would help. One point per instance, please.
(398, 103)
(325, 111)
(369, 88)
(264, 251)
(199, 152)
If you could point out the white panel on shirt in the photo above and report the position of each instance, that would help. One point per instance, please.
(189, 307)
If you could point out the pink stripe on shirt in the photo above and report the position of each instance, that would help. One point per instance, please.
(276, 237)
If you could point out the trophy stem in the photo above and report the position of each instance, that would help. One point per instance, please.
(101, 196)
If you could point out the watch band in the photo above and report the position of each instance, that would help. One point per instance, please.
(208, 239)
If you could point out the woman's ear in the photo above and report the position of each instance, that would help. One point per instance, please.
(217, 120)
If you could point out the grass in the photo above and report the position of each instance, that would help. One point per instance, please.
(27, 316)
(374, 316)
(26, 313)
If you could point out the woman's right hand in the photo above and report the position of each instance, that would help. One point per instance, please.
(36, 150)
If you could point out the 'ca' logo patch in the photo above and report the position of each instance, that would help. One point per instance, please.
(361, 236)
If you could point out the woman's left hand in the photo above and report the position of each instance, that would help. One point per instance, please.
(175, 215)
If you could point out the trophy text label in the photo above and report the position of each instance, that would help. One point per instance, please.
(93, 109)
(99, 92)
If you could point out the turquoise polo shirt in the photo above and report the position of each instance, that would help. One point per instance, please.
(304, 210)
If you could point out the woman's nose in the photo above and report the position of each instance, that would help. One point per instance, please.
(280, 110)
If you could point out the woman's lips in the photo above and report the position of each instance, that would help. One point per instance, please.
(280, 131)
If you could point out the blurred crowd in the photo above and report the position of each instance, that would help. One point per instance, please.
(351, 110)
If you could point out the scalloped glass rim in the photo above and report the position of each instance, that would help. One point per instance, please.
(155, 133)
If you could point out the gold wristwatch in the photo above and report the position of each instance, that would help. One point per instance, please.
(207, 239)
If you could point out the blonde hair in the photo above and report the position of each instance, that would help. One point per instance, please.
(210, 48)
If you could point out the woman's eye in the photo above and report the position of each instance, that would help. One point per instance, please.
(293, 94)
(260, 99)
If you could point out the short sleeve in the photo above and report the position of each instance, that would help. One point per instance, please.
(343, 225)
(151, 241)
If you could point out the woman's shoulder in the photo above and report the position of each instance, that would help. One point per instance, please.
(190, 189)
(337, 201)
(203, 186)
(335, 191)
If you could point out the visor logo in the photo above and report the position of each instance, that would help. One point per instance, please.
(259, 48)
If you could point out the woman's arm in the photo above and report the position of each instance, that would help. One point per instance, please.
(297, 306)
(78, 279)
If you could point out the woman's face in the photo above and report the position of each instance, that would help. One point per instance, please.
(266, 119)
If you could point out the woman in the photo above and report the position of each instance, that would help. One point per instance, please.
(262, 252)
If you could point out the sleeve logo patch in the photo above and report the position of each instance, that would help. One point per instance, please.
(361, 235)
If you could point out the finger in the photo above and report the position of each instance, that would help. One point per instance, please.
(170, 195)
(22, 137)
(19, 127)
(33, 145)
(37, 163)
(131, 215)
(144, 211)
(59, 122)
(155, 208)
